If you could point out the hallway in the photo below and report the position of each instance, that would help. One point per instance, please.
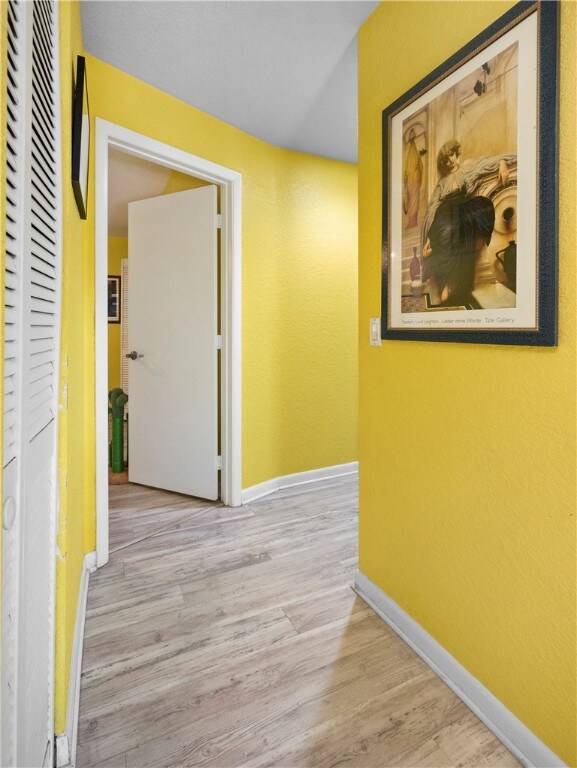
(233, 638)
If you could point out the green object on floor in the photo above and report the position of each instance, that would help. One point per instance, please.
(117, 457)
(118, 399)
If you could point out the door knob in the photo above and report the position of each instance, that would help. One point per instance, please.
(134, 355)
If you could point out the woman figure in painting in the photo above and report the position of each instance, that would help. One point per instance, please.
(464, 177)
(460, 229)
(412, 178)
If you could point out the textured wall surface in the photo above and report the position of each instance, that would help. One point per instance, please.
(180, 182)
(299, 307)
(298, 282)
(468, 458)
(316, 370)
(76, 483)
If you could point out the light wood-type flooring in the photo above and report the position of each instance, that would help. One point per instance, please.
(231, 637)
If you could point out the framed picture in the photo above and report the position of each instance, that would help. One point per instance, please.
(470, 191)
(80, 138)
(113, 298)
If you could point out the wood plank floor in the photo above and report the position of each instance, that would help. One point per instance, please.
(231, 637)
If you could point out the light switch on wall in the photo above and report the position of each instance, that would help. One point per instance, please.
(375, 332)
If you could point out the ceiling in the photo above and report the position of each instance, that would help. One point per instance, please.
(282, 70)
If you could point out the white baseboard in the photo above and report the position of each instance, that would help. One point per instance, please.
(66, 742)
(299, 478)
(526, 747)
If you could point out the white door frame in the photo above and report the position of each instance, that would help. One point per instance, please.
(109, 135)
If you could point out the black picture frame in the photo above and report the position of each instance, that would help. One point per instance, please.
(420, 314)
(80, 138)
(114, 299)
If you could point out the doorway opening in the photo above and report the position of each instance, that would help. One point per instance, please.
(111, 140)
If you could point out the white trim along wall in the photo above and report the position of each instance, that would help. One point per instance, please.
(109, 135)
(522, 742)
(299, 478)
(66, 742)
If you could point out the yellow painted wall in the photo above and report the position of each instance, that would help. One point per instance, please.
(299, 379)
(76, 378)
(276, 293)
(313, 370)
(180, 182)
(468, 456)
(117, 250)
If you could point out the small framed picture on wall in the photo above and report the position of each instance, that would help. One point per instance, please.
(80, 138)
(113, 298)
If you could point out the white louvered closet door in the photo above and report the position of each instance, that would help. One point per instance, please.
(32, 330)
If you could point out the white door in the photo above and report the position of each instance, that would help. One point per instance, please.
(172, 295)
(31, 368)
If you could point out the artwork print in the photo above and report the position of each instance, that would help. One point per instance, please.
(461, 191)
(113, 298)
(460, 161)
